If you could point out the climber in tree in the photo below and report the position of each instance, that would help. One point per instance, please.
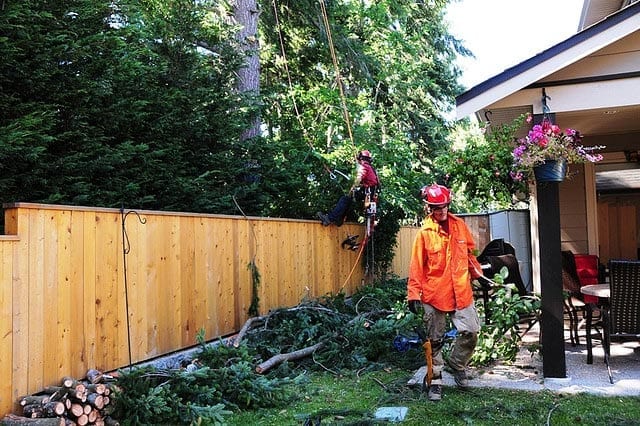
(366, 183)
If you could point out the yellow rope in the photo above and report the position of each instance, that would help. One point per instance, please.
(290, 82)
(345, 111)
(286, 68)
(342, 99)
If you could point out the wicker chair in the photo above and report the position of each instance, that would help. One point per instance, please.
(622, 321)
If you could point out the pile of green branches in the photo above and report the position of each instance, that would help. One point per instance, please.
(350, 334)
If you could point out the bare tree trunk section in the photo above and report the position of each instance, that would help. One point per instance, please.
(280, 358)
(246, 13)
(14, 420)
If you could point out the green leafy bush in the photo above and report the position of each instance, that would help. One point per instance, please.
(500, 338)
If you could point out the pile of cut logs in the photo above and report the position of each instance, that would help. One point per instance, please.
(74, 402)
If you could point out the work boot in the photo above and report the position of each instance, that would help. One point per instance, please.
(461, 379)
(435, 393)
(324, 218)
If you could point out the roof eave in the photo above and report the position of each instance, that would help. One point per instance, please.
(553, 59)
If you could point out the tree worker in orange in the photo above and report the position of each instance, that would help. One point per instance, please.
(440, 273)
(365, 183)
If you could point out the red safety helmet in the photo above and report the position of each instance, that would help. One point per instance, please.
(436, 194)
(364, 155)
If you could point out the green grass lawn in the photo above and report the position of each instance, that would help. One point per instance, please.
(353, 399)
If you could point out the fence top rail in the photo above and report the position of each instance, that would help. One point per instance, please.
(38, 206)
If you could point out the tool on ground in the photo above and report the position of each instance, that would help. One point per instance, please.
(403, 343)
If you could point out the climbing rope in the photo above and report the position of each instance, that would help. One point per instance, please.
(362, 245)
(290, 82)
(334, 58)
(286, 69)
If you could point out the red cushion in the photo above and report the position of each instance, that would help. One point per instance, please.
(587, 269)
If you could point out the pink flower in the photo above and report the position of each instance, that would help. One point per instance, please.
(517, 176)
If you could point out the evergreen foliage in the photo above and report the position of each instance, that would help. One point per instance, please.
(117, 103)
(224, 380)
(396, 68)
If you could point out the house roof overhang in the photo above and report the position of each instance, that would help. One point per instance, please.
(533, 70)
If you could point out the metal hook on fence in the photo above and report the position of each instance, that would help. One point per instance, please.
(126, 248)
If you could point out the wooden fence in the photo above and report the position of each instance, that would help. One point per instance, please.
(63, 296)
(71, 299)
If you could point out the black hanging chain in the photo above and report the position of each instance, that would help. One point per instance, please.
(126, 248)
(545, 108)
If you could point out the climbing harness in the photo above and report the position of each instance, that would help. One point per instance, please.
(366, 246)
(370, 210)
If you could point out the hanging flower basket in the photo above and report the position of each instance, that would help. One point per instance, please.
(547, 150)
(551, 171)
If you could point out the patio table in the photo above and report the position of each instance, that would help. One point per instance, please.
(603, 292)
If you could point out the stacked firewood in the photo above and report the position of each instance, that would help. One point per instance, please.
(74, 402)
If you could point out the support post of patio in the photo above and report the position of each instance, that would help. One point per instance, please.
(552, 319)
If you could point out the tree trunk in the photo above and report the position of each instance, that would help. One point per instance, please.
(246, 14)
(98, 388)
(245, 328)
(34, 399)
(94, 376)
(76, 410)
(82, 420)
(96, 400)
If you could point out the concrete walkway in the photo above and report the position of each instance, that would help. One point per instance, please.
(526, 372)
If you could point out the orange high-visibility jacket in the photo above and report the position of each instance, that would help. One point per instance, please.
(442, 265)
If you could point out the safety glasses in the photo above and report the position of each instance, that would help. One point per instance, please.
(439, 208)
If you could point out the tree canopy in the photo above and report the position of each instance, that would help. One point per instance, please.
(117, 103)
(393, 60)
(135, 103)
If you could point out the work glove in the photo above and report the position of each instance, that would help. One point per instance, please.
(415, 305)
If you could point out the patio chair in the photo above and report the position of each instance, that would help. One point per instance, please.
(497, 247)
(589, 271)
(622, 321)
(575, 306)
